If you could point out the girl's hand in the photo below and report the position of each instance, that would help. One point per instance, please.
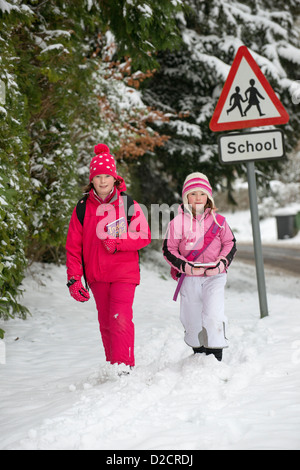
(220, 267)
(191, 271)
(110, 244)
(77, 291)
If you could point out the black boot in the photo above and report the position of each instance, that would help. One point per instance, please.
(199, 350)
(218, 353)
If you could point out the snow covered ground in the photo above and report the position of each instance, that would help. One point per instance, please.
(58, 393)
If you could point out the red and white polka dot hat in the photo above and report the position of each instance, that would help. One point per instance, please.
(103, 163)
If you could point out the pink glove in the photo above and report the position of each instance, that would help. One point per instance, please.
(220, 267)
(191, 271)
(110, 244)
(77, 291)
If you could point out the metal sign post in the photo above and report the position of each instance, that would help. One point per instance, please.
(245, 147)
(259, 262)
(248, 100)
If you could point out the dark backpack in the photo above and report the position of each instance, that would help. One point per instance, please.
(80, 212)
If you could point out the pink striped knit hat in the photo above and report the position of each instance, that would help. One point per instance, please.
(196, 182)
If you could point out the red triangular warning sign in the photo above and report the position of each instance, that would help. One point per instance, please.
(247, 99)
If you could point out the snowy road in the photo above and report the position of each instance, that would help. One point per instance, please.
(279, 257)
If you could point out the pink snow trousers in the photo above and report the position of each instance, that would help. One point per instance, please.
(114, 304)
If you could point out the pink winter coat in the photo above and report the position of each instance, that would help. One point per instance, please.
(123, 266)
(183, 233)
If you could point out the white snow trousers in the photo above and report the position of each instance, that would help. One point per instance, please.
(202, 311)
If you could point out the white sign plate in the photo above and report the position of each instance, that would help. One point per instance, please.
(250, 146)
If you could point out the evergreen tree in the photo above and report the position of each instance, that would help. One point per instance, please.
(15, 197)
(61, 99)
(190, 81)
(142, 27)
(55, 47)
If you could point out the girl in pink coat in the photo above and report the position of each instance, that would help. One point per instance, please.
(105, 249)
(200, 246)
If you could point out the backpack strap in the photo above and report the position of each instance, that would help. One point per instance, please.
(80, 208)
(208, 238)
(80, 212)
(128, 203)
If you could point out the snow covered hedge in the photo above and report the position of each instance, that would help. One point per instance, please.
(15, 197)
(56, 102)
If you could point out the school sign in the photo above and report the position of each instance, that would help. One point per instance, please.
(248, 100)
(259, 145)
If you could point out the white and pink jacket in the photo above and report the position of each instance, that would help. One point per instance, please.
(185, 232)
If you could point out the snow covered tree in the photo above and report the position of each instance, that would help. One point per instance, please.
(54, 50)
(190, 80)
(66, 105)
(63, 97)
(15, 197)
(142, 27)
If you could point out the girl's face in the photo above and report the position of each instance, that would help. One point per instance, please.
(198, 200)
(103, 185)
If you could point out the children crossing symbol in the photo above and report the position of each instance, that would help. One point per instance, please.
(247, 99)
(236, 99)
(251, 96)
